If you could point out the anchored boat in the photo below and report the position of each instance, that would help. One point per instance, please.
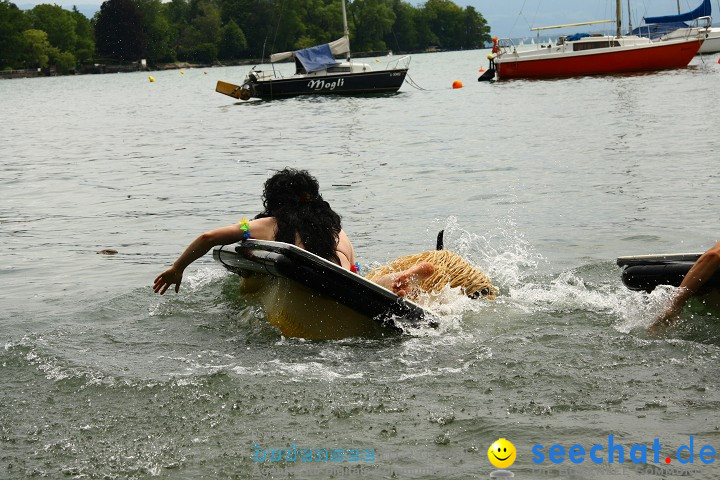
(585, 54)
(317, 72)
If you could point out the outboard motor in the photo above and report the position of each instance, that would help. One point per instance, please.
(245, 92)
(489, 74)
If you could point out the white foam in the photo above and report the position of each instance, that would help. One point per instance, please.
(204, 276)
(303, 371)
(512, 264)
(502, 252)
(298, 372)
(640, 309)
(438, 372)
(566, 292)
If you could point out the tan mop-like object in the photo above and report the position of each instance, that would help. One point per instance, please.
(450, 269)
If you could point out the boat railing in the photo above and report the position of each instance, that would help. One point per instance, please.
(506, 45)
(707, 20)
(402, 63)
(699, 28)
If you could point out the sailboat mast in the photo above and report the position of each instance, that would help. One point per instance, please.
(346, 32)
(630, 19)
(678, 2)
(618, 10)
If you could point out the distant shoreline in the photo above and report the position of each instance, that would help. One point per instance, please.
(98, 69)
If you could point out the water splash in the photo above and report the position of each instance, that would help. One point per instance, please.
(503, 252)
(513, 265)
(204, 276)
(192, 283)
(639, 309)
(566, 292)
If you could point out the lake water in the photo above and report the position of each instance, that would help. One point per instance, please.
(541, 184)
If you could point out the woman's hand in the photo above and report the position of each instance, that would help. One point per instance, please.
(169, 277)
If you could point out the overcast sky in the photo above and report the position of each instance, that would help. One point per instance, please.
(514, 18)
(511, 18)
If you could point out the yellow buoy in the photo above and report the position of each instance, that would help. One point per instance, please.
(151, 78)
(457, 84)
(182, 72)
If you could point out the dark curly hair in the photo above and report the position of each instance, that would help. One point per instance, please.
(292, 197)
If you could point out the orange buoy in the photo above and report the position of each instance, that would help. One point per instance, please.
(457, 84)
(481, 70)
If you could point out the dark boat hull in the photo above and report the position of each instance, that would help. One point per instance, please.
(385, 81)
(645, 272)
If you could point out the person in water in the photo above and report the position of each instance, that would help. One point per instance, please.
(294, 212)
(703, 269)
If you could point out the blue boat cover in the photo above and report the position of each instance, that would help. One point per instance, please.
(315, 58)
(703, 10)
(657, 30)
(576, 36)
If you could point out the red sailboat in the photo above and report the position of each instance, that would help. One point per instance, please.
(584, 54)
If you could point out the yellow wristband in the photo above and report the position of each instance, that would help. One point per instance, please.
(244, 227)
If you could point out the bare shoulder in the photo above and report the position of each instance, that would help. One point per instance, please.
(263, 228)
(345, 247)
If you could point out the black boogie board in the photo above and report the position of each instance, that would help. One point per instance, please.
(645, 272)
(321, 277)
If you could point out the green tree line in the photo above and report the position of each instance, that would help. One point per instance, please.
(206, 31)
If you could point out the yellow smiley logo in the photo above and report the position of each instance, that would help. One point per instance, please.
(502, 453)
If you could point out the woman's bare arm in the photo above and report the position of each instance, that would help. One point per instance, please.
(703, 269)
(261, 229)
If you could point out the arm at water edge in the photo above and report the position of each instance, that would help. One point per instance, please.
(261, 228)
(703, 269)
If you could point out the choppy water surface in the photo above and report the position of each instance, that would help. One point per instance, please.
(541, 184)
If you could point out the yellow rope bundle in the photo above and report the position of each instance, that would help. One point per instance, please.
(450, 269)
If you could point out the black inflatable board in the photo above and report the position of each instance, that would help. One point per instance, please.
(320, 275)
(658, 259)
(645, 272)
